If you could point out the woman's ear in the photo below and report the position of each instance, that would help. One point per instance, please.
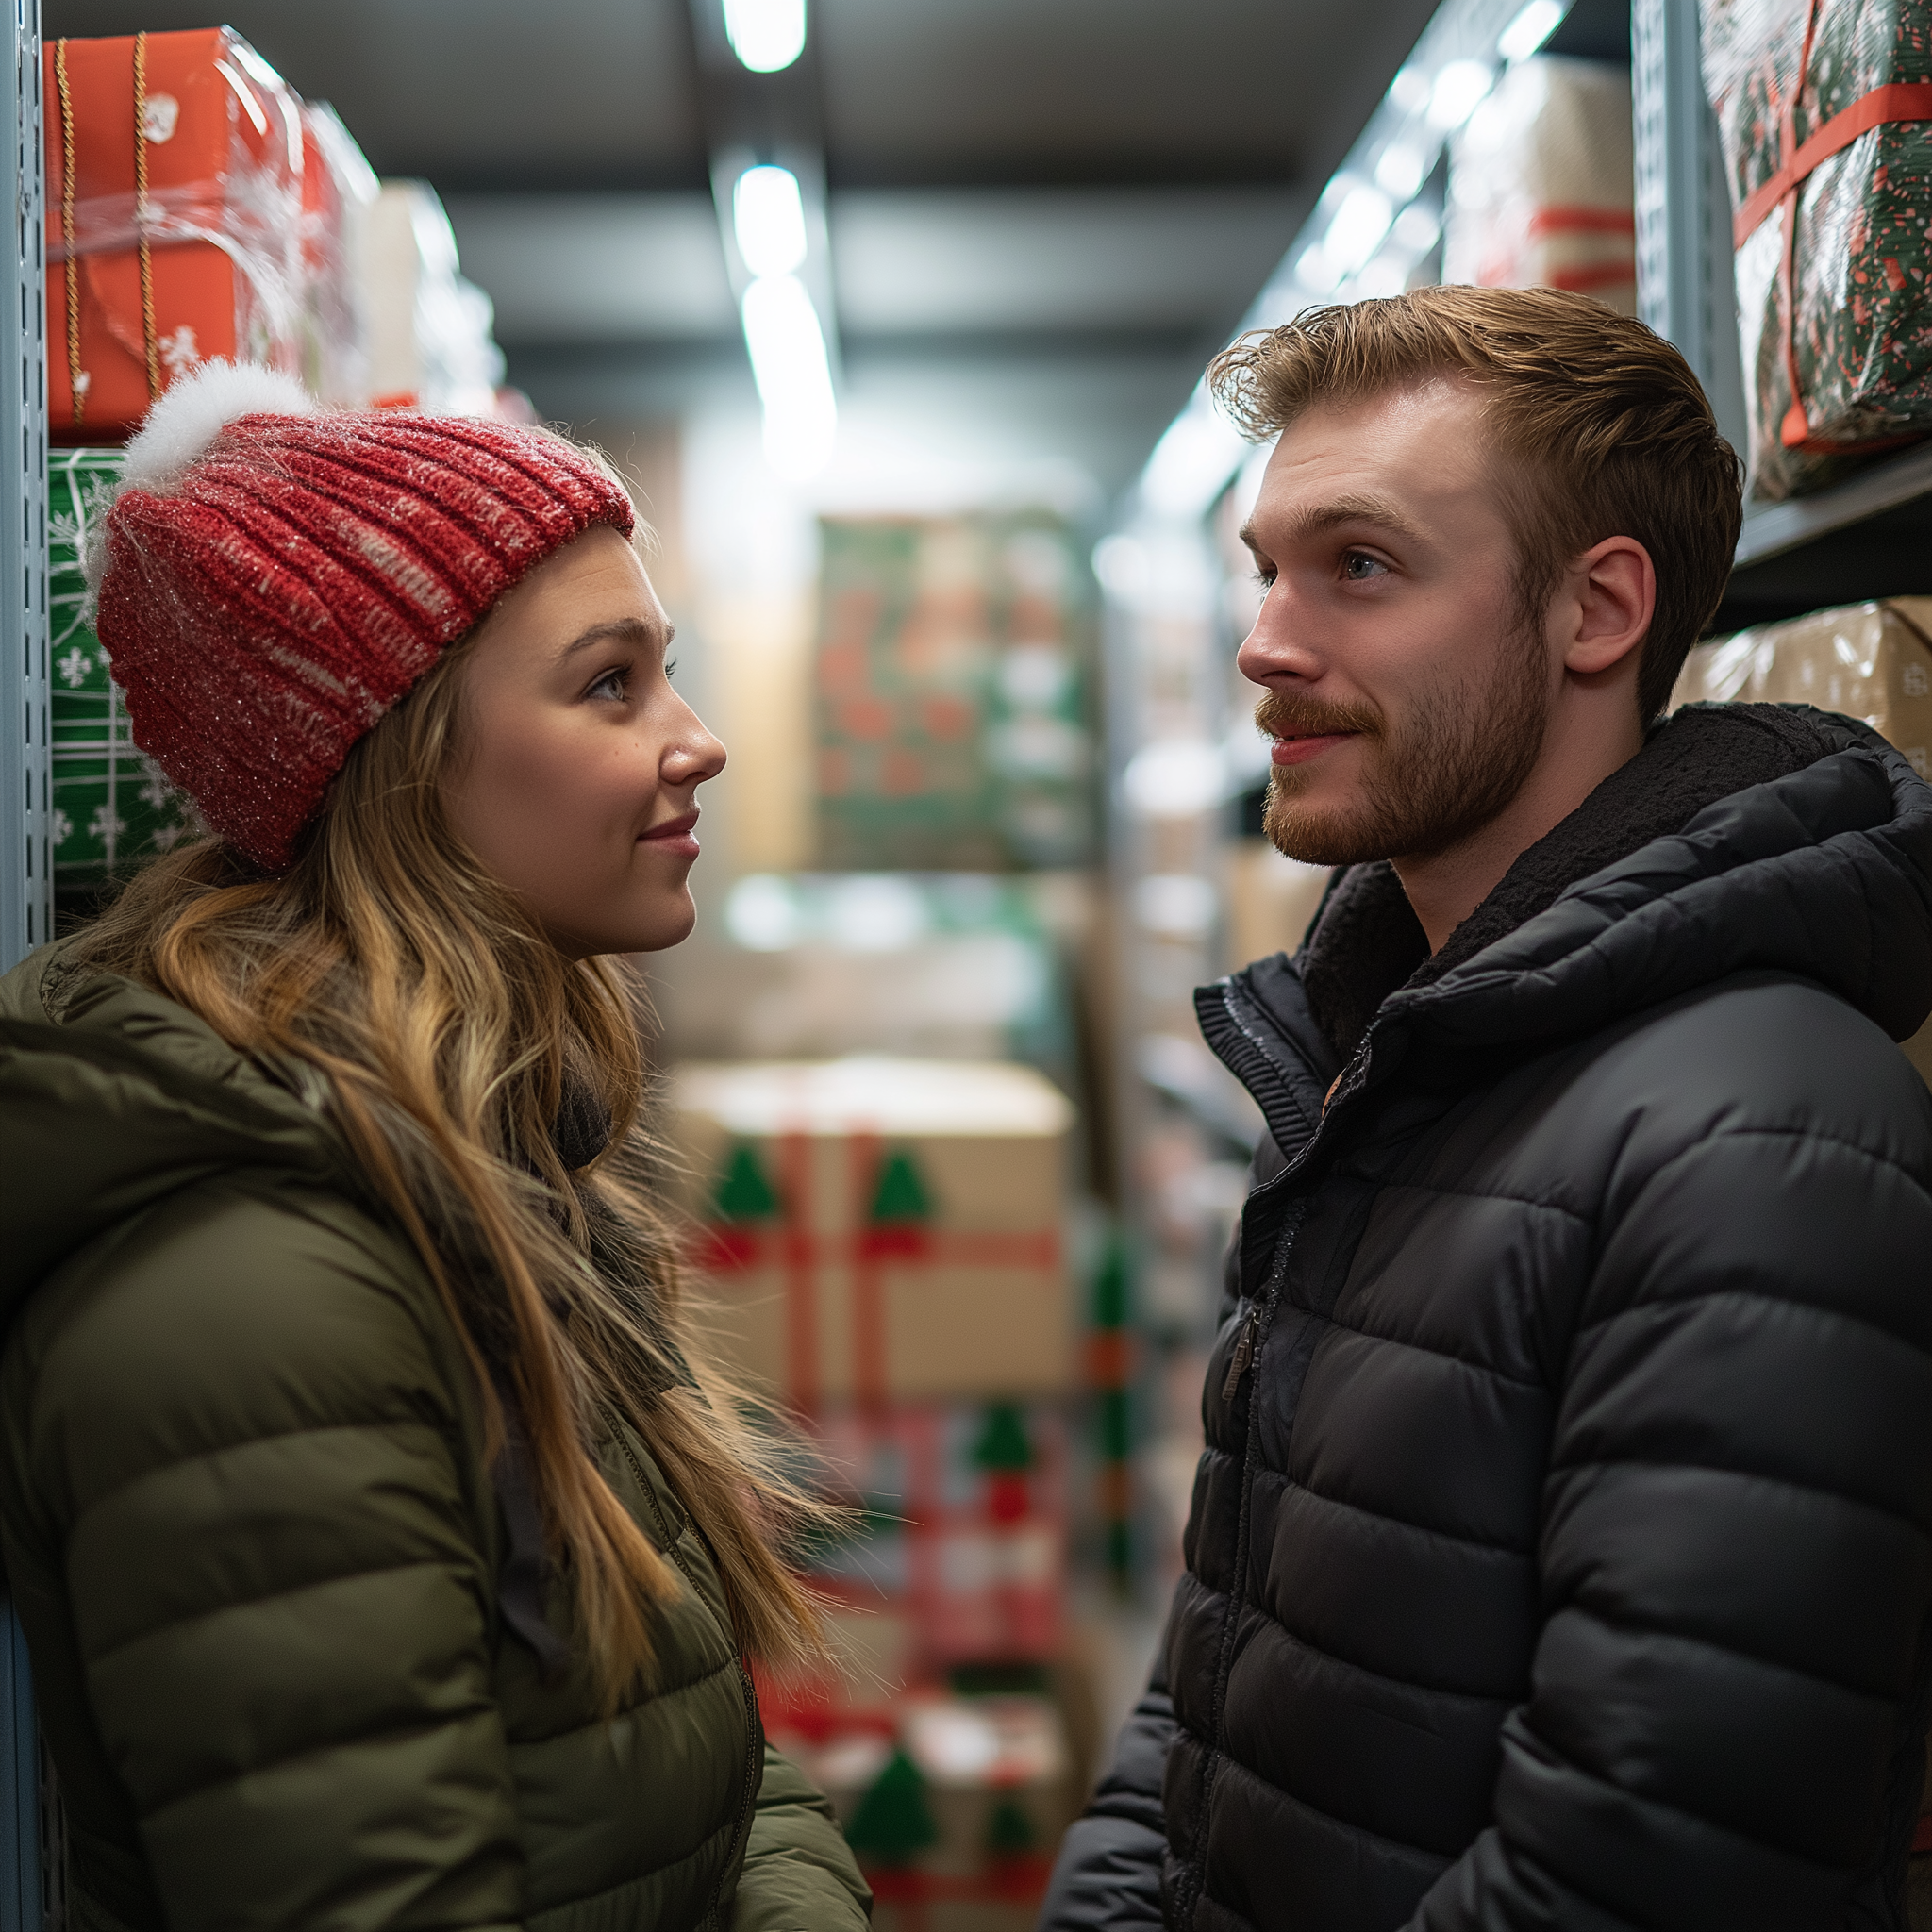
(1611, 590)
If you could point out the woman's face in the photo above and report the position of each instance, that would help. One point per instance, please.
(579, 761)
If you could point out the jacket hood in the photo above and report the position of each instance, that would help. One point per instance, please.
(1741, 837)
(112, 1097)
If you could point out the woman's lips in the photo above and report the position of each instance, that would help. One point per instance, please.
(678, 835)
(1298, 751)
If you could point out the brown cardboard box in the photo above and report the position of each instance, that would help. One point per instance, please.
(880, 1229)
(1870, 662)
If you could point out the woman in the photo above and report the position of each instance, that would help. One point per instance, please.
(386, 1553)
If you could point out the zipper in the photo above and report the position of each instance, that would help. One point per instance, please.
(754, 1736)
(1245, 1349)
(1243, 1353)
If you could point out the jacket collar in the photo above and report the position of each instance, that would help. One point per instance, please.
(1742, 837)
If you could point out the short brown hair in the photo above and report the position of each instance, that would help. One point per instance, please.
(1600, 427)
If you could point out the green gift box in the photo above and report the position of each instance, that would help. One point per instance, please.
(112, 807)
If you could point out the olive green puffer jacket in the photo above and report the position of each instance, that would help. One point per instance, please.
(249, 1533)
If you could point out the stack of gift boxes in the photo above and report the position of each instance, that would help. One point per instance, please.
(881, 1252)
(198, 209)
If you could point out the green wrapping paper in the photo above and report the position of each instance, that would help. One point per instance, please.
(112, 810)
(1857, 329)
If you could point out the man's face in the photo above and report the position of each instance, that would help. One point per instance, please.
(1405, 697)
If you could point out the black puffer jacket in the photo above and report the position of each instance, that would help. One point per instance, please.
(1561, 1555)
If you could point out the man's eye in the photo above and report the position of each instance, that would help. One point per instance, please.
(1265, 574)
(1359, 569)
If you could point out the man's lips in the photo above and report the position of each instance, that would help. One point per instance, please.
(1299, 749)
(676, 835)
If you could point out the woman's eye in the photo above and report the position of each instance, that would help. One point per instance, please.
(671, 667)
(611, 685)
(1358, 569)
(1265, 577)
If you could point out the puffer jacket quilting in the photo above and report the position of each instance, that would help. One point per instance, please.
(1563, 1555)
(248, 1529)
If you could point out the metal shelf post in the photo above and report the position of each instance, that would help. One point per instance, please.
(26, 894)
(1685, 289)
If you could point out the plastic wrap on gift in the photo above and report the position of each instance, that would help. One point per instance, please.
(1540, 185)
(339, 188)
(112, 809)
(176, 166)
(1869, 661)
(1825, 107)
(429, 330)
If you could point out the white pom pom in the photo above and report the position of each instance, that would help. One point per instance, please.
(190, 415)
(183, 422)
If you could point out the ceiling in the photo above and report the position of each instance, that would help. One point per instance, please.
(1026, 198)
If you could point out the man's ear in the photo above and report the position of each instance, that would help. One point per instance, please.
(1609, 598)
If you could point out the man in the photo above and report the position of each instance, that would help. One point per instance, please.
(1561, 1552)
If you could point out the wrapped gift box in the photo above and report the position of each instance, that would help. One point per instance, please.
(958, 1550)
(880, 1229)
(1540, 184)
(1824, 108)
(112, 809)
(221, 138)
(954, 1804)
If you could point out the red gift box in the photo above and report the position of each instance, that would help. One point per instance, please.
(179, 244)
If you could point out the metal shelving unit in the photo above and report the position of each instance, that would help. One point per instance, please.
(1867, 537)
(27, 898)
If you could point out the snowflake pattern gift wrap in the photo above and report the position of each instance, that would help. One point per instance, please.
(111, 807)
(1825, 112)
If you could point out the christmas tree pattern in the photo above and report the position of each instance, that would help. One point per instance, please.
(900, 1195)
(893, 1823)
(901, 1209)
(1010, 1832)
(743, 1192)
(1006, 1453)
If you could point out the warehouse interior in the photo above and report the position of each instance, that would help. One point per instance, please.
(947, 1035)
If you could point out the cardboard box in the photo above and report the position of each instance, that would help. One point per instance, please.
(1542, 190)
(881, 1230)
(1869, 661)
(224, 150)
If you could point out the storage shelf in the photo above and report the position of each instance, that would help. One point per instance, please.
(1777, 528)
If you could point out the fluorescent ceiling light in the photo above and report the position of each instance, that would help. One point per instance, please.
(1401, 171)
(765, 34)
(1458, 88)
(1357, 228)
(1316, 272)
(1529, 29)
(1416, 229)
(794, 378)
(1192, 463)
(767, 218)
(1409, 89)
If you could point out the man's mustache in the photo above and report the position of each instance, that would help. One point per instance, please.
(1281, 715)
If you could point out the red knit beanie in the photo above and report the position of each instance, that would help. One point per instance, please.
(271, 579)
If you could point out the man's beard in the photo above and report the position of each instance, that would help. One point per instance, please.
(1431, 780)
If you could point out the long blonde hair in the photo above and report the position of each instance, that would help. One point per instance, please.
(449, 1038)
